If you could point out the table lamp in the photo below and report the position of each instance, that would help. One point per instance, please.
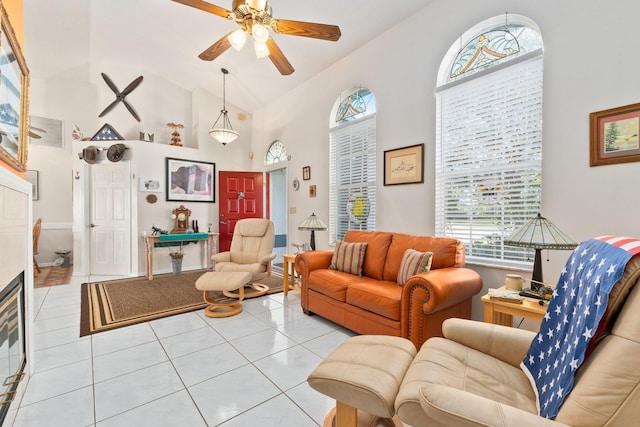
(313, 224)
(539, 233)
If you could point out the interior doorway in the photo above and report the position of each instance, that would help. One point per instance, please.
(278, 210)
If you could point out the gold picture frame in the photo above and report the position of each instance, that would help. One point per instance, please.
(614, 135)
(404, 165)
(14, 97)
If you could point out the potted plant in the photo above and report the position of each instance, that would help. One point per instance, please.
(176, 260)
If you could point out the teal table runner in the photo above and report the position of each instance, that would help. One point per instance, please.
(167, 240)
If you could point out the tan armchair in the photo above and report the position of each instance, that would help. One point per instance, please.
(473, 376)
(251, 251)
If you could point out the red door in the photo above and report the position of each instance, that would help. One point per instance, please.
(241, 196)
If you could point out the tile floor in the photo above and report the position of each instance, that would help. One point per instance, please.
(185, 370)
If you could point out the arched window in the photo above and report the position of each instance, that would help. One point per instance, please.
(276, 153)
(352, 169)
(489, 137)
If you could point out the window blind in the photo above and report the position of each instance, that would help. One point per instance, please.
(489, 159)
(352, 179)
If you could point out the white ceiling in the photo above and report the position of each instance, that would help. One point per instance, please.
(165, 38)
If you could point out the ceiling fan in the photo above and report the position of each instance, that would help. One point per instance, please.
(255, 18)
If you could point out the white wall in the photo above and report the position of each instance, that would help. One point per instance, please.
(589, 66)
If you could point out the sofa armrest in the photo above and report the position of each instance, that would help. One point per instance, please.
(447, 406)
(221, 257)
(305, 263)
(431, 297)
(502, 342)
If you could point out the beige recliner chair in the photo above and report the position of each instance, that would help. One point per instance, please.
(251, 251)
(473, 376)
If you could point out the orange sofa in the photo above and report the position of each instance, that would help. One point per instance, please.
(374, 303)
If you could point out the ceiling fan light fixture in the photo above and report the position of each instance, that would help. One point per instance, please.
(257, 4)
(261, 49)
(260, 33)
(237, 39)
(224, 134)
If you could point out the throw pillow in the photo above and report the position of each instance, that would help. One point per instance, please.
(413, 262)
(349, 257)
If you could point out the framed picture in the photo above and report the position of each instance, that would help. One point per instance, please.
(306, 173)
(312, 191)
(14, 97)
(613, 135)
(404, 165)
(150, 185)
(45, 132)
(190, 180)
(32, 177)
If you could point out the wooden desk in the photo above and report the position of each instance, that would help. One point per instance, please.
(151, 242)
(288, 280)
(501, 313)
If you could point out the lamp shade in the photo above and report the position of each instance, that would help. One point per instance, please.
(312, 223)
(540, 233)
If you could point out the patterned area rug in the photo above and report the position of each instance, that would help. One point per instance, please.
(52, 276)
(116, 303)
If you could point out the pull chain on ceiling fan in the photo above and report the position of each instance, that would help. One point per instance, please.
(255, 18)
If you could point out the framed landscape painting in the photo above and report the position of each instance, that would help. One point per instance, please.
(613, 135)
(190, 180)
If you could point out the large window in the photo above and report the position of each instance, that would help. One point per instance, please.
(489, 137)
(352, 182)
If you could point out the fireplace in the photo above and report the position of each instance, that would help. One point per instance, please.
(12, 341)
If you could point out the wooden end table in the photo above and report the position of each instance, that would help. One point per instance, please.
(288, 280)
(501, 312)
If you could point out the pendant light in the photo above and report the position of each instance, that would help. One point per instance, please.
(224, 134)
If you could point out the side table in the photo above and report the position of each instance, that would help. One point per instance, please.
(501, 312)
(288, 280)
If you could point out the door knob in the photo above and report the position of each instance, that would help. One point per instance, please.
(92, 225)
(223, 223)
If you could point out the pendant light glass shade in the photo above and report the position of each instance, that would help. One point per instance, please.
(225, 133)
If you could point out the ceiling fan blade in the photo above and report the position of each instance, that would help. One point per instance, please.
(307, 29)
(110, 83)
(131, 110)
(109, 108)
(216, 49)
(279, 60)
(207, 7)
(134, 84)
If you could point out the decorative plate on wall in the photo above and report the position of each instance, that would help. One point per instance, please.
(152, 198)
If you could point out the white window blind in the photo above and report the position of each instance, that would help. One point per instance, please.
(488, 159)
(352, 199)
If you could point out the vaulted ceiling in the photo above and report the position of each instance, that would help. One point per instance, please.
(166, 37)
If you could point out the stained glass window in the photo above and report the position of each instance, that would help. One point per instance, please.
(359, 103)
(276, 153)
(489, 139)
(494, 46)
(352, 168)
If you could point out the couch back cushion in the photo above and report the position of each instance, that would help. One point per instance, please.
(447, 252)
(376, 253)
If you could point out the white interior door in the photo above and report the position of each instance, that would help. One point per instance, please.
(110, 219)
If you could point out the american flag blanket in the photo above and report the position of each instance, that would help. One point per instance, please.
(574, 313)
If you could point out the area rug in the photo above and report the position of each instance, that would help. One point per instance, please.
(52, 276)
(116, 303)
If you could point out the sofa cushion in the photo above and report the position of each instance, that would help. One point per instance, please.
(376, 255)
(332, 283)
(377, 296)
(413, 262)
(349, 257)
(447, 252)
